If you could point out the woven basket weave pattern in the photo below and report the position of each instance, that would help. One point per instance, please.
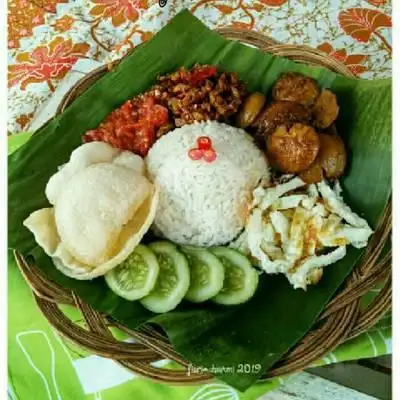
(341, 320)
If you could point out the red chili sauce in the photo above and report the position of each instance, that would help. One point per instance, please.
(131, 127)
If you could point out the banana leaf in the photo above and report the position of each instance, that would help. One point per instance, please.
(261, 331)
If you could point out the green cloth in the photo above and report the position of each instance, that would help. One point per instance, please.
(42, 365)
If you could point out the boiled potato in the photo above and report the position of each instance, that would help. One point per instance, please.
(293, 150)
(297, 88)
(330, 162)
(314, 173)
(281, 113)
(250, 109)
(332, 155)
(325, 110)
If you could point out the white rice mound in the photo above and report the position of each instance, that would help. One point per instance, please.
(205, 204)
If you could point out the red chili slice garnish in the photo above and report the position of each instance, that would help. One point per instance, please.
(204, 142)
(201, 74)
(209, 155)
(203, 150)
(195, 154)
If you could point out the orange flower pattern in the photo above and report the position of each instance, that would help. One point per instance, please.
(24, 15)
(274, 3)
(24, 119)
(354, 62)
(46, 37)
(363, 23)
(377, 3)
(46, 63)
(64, 23)
(119, 11)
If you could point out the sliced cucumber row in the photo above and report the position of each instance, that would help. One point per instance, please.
(136, 276)
(241, 279)
(206, 274)
(161, 275)
(173, 281)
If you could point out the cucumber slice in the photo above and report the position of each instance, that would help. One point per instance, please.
(173, 280)
(136, 276)
(241, 279)
(206, 274)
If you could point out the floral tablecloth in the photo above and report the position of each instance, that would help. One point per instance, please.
(47, 37)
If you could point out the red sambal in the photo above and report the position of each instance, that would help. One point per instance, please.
(131, 127)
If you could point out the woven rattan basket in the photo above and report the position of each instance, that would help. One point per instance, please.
(342, 318)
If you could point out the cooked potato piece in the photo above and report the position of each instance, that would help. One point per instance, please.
(250, 109)
(281, 113)
(314, 173)
(297, 88)
(332, 155)
(326, 109)
(330, 162)
(293, 150)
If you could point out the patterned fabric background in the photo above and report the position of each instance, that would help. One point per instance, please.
(46, 37)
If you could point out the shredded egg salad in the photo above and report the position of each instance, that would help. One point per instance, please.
(297, 229)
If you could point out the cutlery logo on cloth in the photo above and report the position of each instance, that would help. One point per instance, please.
(26, 344)
(214, 391)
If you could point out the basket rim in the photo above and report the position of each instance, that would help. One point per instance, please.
(341, 321)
